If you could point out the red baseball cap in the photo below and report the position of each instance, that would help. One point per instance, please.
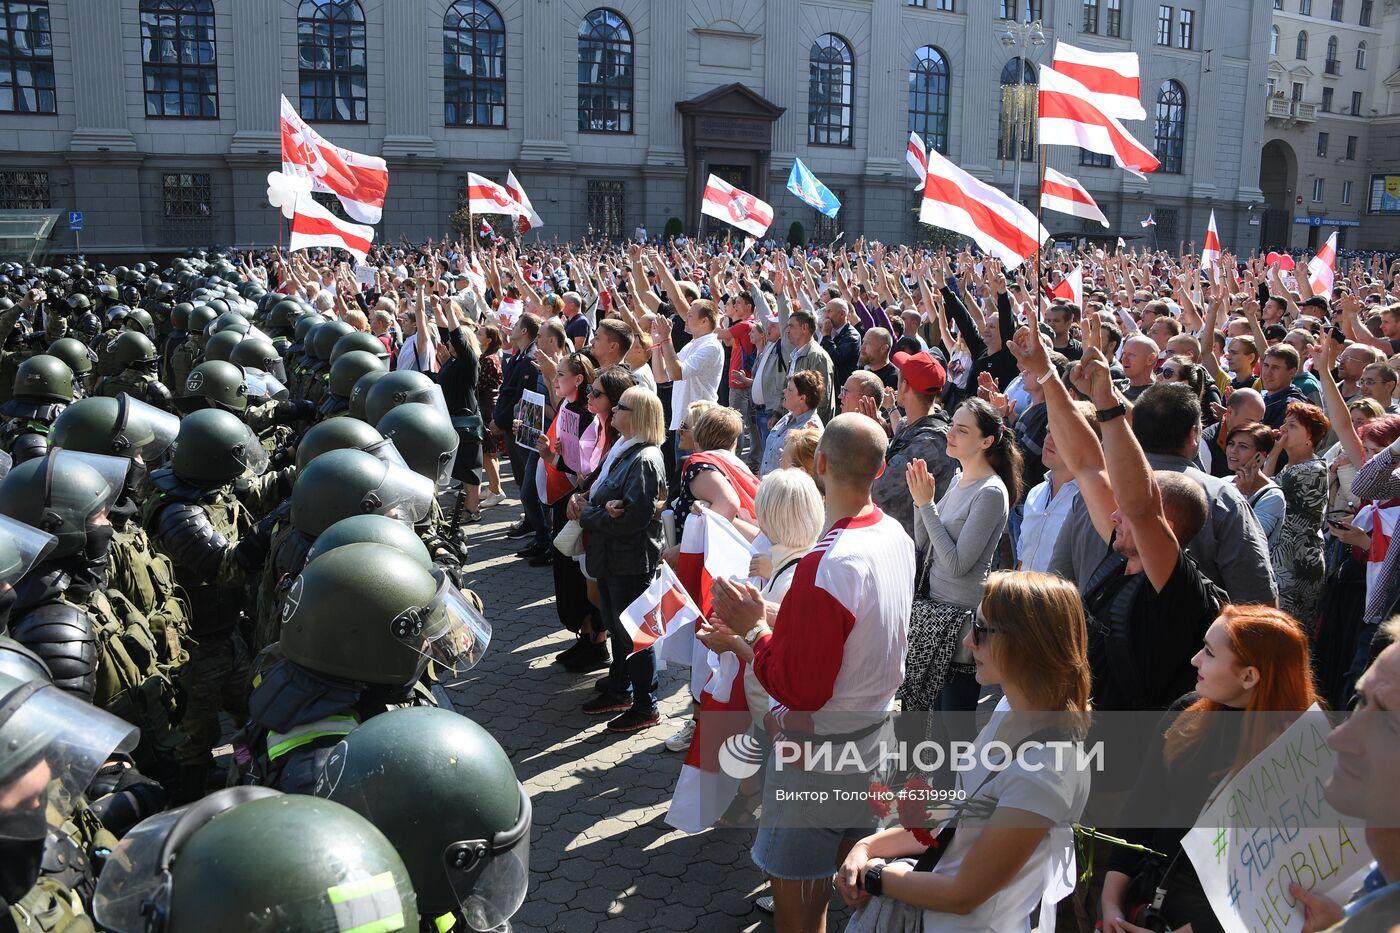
(921, 370)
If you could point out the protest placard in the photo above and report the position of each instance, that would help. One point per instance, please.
(1269, 827)
(529, 413)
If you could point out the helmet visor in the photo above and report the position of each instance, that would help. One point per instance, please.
(433, 396)
(6, 464)
(24, 546)
(54, 743)
(144, 428)
(402, 494)
(448, 631)
(386, 451)
(491, 887)
(86, 497)
(263, 384)
(251, 454)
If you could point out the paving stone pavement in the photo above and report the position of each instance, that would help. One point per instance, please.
(601, 857)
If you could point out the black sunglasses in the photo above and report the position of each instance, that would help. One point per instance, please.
(1169, 374)
(621, 407)
(595, 393)
(980, 630)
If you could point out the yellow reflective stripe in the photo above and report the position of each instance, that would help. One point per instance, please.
(445, 922)
(368, 906)
(304, 735)
(350, 890)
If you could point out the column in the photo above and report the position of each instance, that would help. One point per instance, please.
(99, 85)
(545, 28)
(884, 142)
(406, 95)
(257, 72)
(784, 81)
(667, 35)
(974, 145)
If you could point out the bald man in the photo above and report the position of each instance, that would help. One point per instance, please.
(834, 657)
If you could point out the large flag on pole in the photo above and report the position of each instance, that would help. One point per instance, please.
(1322, 268)
(736, 207)
(529, 220)
(917, 158)
(1112, 77)
(313, 225)
(484, 196)
(1069, 116)
(359, 181)
(809, 189)
(956, 201)
(1210, 250)
(1064, 195)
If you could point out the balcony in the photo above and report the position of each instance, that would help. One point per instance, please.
(1278, 108)
(1304, 113)
(1332, 67)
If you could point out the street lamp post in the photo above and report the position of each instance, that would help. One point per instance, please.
(1020, 37)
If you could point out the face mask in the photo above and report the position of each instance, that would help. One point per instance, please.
(99, 542)
(20, 860)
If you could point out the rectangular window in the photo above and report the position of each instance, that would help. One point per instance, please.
(1327, 100)
(1337, 6)
(948, 6)
(1365, 18)
(1351, 148)
(1356, 103)
(1270, 85)
(1008, 9)
(1032, 11)
(1346, 192)
(1095, 159)
(26, 58)
(916, 2)
(1322, 139)
(1091, 17)
(607, 201)
(1166, 218)
(1318, 185)
(1305, 7)
(179, 67)
(1113, 22)
(185, 196)
(1186, 30)
(1297, 90)
(1278, 4)
(24, 191)
(1164, 25)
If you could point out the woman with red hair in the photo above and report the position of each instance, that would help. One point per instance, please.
(1297, 557)
(1254, 660)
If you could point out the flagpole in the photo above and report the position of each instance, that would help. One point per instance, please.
(1039, 213)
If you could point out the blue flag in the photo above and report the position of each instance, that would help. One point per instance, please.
(809, 190)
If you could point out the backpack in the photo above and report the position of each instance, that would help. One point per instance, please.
(146, 578)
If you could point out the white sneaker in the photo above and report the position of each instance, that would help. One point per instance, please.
(681, 740)
(495, 498)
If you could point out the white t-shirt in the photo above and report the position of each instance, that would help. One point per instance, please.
(702, 365)
(409, 358)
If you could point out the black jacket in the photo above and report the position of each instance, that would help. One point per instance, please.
(630, 544)
(519, 374)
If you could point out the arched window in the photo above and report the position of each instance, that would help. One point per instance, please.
(1171, 127)
(1301, 52)
(830, 92)
(928, 97)
(26, 58)
(331, 61)
(473, 65)
(1017, 113)
(604, 73)
(1273, 40)
(1331, 50)
(1361, 56)
(179, 73)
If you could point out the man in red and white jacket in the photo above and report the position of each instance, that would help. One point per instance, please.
(833, 657)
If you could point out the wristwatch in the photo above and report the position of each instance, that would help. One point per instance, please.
(755, 633)
(1106, 415)
(874, 885)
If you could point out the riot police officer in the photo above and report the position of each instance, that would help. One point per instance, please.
(346, 371)
(42, 389)
(136, 355)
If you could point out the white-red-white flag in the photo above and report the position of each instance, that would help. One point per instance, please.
(736, 207)
(313, 225)
(1210, 250)
(917, 158)
(956, 201)
(359, 181)
(1112, 77)
(663, 608)
(1064, 195)
(1070, 117)
(1071, 287)
(530, 219)
(484, 196)
(1322, 268)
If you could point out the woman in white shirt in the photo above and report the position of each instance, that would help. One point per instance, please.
(1016, 849)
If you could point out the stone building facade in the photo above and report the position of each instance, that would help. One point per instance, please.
(158, 118)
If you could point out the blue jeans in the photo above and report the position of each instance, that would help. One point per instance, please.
(635, 674)
(535, 515)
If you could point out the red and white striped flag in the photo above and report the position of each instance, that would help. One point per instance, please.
(956, 201)
(736, 207)
(359, 181)
(1210, 250)
(917, 158)
(484, 196)
(313, 225)
(1112, 77)
(1321, 268)
(663, 608)
(529, 220)
(1064, 195)
(1070, 117)
(1071, 287)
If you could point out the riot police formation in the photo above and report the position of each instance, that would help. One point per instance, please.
(194, 474)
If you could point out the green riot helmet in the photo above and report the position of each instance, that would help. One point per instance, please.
(358, 340)
(66, 494)
(132, 347)
(180, 316)
(285, 313)
(44, 378)
(372, 529)
(120, 273)
(165, 290)
(119, 427)
(425, 438)
(349, 367)
(201, 316)
(75, 353)
(341, 483)
(399, 386)
(140, 319)
(381, 627)
(229, 320)
(220, 306)
(216, 866)
(469, 849)
(79, 303)
(341, 434)
(322, 339)
(116, 314)
(220, 346)
(258, 353)
(214, 383)
(214, 448)
(304, 325)
(359, 395)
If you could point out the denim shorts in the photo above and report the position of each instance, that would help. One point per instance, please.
(801, 841)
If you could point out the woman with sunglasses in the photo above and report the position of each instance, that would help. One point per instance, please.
(1182, 369)
(1010, 825)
